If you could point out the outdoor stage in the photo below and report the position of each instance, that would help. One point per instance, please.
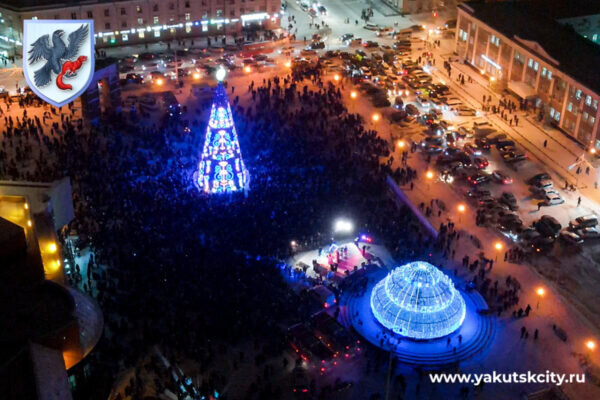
(477, 332)
(346, 262)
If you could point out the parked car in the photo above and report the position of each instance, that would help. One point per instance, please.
(510, 200)
(480, 162)
(473, 150)
(586, 221)
(346, 36)
(539, 177)
(371, 27)
(465, 111)
(570, 238)
(547, 226)
(588, 233)
(552, 199)
(501, 177)
(483, 144)
(541, 244)
(513, 157)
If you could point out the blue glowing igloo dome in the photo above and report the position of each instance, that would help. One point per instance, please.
(418, 301)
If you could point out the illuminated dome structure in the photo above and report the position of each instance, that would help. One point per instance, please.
(418, 301)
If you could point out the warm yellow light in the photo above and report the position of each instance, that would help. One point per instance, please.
(196, 75)
(482, 71)
(498, 246)
(375, 117)
(26, 206)
(429, 175)
(160, 82)
(336, 77)
(353, 94)
(590, 344)
(288, 64)
(52, 248)
(247, 69)
(401, 144)
(29, 224)
(540, 291)
(461, 208)
(593, 150)
(492, 78)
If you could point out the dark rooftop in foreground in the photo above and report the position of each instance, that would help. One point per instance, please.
(25, 5)
(537, 21)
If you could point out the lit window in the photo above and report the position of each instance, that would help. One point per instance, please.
(592, 120)
(594, 37)
(187, 16)
(530, 63)
(155, 20)
(544, 71)
(125, 37)
(536, 66)
(551, 112)
(140, 21)
(188, 29)
(557, 116)
(595, 104)
(549, 74)
(588, 100)
(138, 9)
(570, 107)
(585, 116)
(156, 33)
(204, 27)
(219, 14)
(141, 34)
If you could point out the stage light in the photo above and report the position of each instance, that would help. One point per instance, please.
(343, 226)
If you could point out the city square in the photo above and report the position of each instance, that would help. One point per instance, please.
(303, 200)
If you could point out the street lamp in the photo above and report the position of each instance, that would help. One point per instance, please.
(288, 64)
(429, 175)
(590, 344)
(461, 210)
(160, 82)
(196, 75)
(336, 77)
(247, 69)
(375, 117)
(401, 144)
(52, 248)
(353, 95)
(498, 246)
(540, 292)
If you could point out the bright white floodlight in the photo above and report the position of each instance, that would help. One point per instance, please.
(220, 75)
(343, 226)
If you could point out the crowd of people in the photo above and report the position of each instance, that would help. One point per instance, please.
(196, 275)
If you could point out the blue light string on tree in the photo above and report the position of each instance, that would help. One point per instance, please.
(221, 168)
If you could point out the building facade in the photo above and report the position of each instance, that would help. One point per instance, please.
(419, 6)
(518, 54)
(142, 21)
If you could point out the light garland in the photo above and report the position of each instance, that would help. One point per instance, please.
(418, 301)
(221, 168)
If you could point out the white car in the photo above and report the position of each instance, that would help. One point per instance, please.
(423, 102)
(465, 111)
(553, 199)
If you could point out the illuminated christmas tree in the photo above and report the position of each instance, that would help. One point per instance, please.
(221, 168)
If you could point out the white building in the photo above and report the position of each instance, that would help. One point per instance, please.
(141, 21)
